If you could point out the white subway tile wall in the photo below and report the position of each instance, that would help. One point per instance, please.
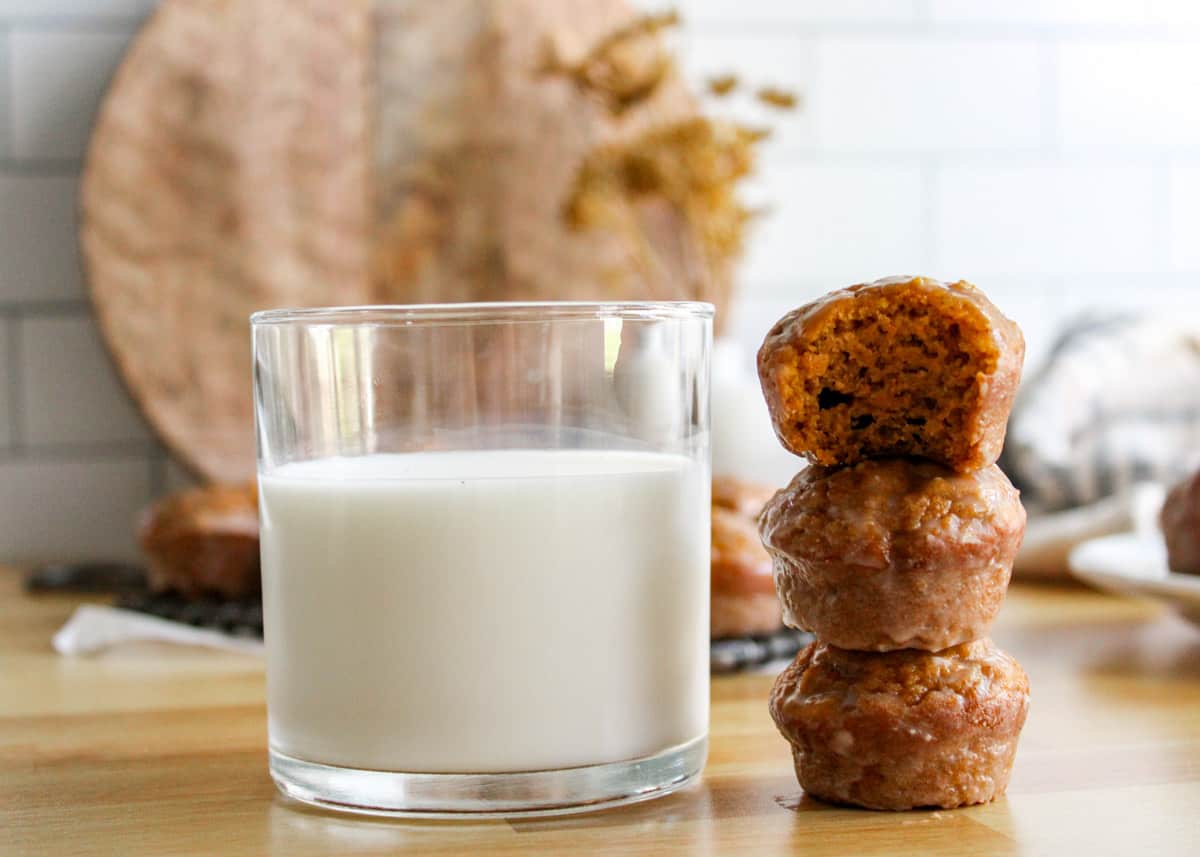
(1128, 93)
(838, 223)
(927, 94)
(74, 506)
(39, 252)
(7, 388)
(1183, 217)
(1041, 11)
(731, 13)
(1047, 149)
(1044, 218)
(58, 77)
(759, 61)
(70, 393)
(1172, 11)
(5, 101)
(74, 10)
(176, 477)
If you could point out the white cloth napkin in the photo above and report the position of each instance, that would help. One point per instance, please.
(1050, 538)
(93, 628)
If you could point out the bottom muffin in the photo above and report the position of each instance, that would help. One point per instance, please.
(904, 729)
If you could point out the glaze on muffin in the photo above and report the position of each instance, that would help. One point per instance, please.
(893, 553)
(903, 729)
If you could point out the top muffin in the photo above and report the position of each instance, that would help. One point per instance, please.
(903, 366)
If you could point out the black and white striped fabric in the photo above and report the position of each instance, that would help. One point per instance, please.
(1117, 402)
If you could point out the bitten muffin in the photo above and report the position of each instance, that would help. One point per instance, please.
(204, 542)
(901, 366)
(903, 729)
(738, 495)
(893, 553)
(1180, 521)
(743, 594)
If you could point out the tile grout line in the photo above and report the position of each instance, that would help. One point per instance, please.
(1024, 156)
(941, 30)
(98, 451)
(39, 167)
(45, 308)
(776, 290)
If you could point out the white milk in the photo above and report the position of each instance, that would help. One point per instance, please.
(454, 612)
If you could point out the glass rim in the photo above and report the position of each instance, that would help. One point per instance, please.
(483, 312)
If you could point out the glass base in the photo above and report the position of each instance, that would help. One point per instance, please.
(525, 794)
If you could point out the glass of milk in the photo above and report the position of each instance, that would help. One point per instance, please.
(485, 553)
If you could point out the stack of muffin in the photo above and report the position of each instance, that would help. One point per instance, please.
(896, 547)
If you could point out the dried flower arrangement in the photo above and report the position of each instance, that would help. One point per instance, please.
(693, 164)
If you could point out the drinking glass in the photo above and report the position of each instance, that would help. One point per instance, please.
(485, 553)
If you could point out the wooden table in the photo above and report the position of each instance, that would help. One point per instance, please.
(160, 751)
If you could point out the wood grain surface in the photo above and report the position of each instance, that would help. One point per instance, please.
(162, 751)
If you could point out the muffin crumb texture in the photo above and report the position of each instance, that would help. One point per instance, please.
(903, 366)
(904, 729)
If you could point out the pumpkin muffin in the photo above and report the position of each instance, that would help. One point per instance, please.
(203, 542)
(1180, 521)
(901, 366)
(893, 553)
(743, 593)
(904, 729)
(738, 495)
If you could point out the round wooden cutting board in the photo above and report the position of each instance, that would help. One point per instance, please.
(278, 153)
(216, 185)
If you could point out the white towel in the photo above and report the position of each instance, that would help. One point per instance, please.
(1117, 403)
(93, 628)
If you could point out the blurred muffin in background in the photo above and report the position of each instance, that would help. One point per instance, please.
(1180, 521)
(744, 602)
(203, 542)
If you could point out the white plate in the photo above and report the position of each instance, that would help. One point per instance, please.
(1136, 564)
(1049, 538)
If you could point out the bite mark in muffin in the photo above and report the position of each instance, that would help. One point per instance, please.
(901, 366)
